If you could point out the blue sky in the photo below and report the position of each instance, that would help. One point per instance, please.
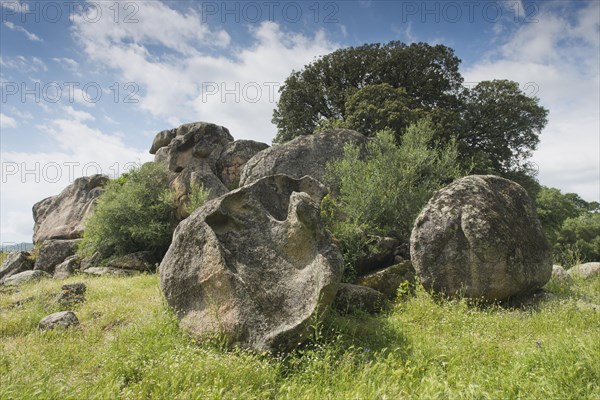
(86, 85)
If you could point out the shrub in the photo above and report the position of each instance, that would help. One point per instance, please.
(134, 213)
(197, 197)
(578, 240)
(383, 192)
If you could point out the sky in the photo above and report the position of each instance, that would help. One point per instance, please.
(85, 85)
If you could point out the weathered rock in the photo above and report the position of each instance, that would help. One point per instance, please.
(480, 236)
(141, 261)
(24, 277)
(14, 263)
(255, 265)
(585, 271)
(63, 216)
(234, 158)
(388, 280)
(381, 255)
(352, 298)
(191, 152)
(72, 293)
(54, 252)
(99, 271)
(304, 155)
(91, 261)
(62, 319)
(197, 140)
(559, 273)
(67, 267)
(196, 173)
(162, 139)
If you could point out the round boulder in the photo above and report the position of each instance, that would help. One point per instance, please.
(255, 265)
(480, 237)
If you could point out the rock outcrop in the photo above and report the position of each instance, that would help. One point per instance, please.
(255, 265)
(201, 153)
(15, 262)
(480, 237)
(63, 216)
(304, 155)
(54, 252)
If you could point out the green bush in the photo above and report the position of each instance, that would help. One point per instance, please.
(578, 240)
(383, 192)
(197, 197)
(134, 213)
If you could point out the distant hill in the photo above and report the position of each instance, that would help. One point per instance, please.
(9, 246)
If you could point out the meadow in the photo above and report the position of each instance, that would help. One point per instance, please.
(129, 346)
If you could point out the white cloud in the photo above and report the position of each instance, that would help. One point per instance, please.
(68, 63)
(559, 57)
(79, 150)
(7, 122)
(23, 64)
(17, 28)
(172, 87)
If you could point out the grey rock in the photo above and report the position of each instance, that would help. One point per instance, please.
(480, 236)
(381, 255)
(72, 293)
(63, 216)
(388, 280)
(141, 261)
(162, 139)
(585, 271)
(25, 277)
(90, 261)
(14, 263)
(54, 252)
(352, 298)
(234, 158)
(191, 155)
(62, 319)
(255, 265)
(559, 273)
(304, 155)
(67, 267)
(100, 271)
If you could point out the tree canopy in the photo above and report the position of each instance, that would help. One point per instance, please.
(377, 86)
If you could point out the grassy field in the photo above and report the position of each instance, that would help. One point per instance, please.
(129, 346)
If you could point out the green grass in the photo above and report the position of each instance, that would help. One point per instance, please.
(129, 346)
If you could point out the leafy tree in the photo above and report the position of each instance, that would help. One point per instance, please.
(377, 107)
(134, 213)
(502, 126)
(382, 193)
(374, 86)
(197, 197)
(428, 74)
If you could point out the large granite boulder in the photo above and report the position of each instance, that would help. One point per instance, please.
(15, 262)
(53, 253)
(63, 216)
(585, 271)
(202, 153)
(304, 155)
(480, 237)
(140, 261)
(67, 267)
(234, 158)
(255, 265)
